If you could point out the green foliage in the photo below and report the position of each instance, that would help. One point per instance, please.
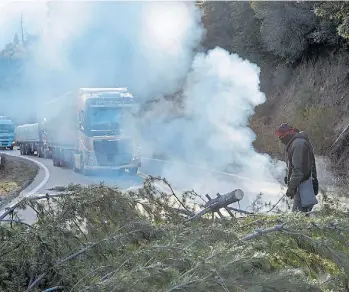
(97, 238)
(338, 12)
(284, 29)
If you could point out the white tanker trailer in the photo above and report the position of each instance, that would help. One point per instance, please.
(31, 138)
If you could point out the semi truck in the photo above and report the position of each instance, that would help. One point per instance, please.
(87, 131)
(7, 135)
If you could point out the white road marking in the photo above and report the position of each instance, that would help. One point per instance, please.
(24, 193)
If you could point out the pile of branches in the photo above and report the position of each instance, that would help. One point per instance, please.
(99, 238)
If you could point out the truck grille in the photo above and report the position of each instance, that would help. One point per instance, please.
(113, 153)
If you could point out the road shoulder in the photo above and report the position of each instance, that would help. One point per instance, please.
(31, 187)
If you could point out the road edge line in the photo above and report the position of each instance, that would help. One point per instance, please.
(24, 193)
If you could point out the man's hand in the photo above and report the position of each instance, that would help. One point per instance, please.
(315, 186)
(291, 192)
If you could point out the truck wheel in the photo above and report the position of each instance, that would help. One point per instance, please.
(55, 161)
(11, 148)
(83, 170)
(21, 149)
(25, 149)
(41, 152)
(75, 169)
(55, 157)
(47, 154)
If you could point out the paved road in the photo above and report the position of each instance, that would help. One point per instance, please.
(50, 177)
(181, 176)
(59, 176)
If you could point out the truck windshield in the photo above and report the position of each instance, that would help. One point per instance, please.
(7, 128)
(106, 118)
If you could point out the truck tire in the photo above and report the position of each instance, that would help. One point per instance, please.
(54, 160)
(47, 153)
(83, 170)
(11, 148)
(26, 149)
(41, 151)
(74, 168)
(21, 150)
(55, 157)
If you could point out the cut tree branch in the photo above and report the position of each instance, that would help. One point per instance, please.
(259, 232)
(76, 254)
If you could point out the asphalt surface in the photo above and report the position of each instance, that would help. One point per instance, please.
(60, 176)
(50, 177)
(181, 176)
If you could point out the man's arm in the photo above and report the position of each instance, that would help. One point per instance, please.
(297, 162)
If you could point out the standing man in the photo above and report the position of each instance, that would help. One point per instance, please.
(301, 167)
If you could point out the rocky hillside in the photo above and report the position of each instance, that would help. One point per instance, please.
(301, 48)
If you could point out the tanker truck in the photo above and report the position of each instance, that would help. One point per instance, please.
(89, 130)
(31, 138)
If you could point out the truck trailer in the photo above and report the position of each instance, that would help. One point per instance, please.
(87, 131)
(31, 138)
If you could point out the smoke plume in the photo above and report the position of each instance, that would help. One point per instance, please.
(153, 48)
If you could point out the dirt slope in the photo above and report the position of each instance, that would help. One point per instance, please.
(312, 95)
(16, 175)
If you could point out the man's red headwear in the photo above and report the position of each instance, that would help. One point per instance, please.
(285, 130)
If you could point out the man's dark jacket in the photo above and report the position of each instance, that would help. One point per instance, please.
(300, 160)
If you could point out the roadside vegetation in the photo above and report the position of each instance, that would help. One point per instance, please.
(15, 175)
(100, 239)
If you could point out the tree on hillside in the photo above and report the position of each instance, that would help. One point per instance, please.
(285, 26)
(12, 59)
(338, 13)
(232, 26)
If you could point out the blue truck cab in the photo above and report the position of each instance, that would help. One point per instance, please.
(7, 133)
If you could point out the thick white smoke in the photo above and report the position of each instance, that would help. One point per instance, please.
(151, 48)
(220, 95)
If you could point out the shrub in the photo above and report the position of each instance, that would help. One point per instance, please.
(285, 26)
(319, 123)
(338, 12)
